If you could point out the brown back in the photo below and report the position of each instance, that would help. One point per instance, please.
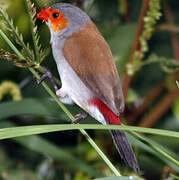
(90, 57)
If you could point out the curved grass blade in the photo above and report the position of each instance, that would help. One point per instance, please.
(119, 178)
(6, 133)
(149, 149)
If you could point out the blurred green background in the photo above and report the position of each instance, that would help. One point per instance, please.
(152, 99)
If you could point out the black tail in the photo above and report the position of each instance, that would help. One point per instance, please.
(125, 149)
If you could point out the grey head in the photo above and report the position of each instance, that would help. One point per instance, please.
(76, 17)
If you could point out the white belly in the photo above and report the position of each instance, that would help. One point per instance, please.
(71, 83)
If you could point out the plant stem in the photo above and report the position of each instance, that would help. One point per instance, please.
(39, 129)
(154, 93)
(68, 113)
(166, 102)
(173, 35)
(53, 95)
(159, 109)
(135, 46)
(103, 156)
(32, 27)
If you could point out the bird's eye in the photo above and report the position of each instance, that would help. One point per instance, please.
(55, 15)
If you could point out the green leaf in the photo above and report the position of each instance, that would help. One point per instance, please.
(119, 178)
(44, 107)
(6, 133)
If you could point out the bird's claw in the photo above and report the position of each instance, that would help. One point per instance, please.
(49, 75)
(79, 116)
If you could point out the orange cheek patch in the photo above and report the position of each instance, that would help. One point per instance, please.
(59, 24)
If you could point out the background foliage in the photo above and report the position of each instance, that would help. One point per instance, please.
(146, 54)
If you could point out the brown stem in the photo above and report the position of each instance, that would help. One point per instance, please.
(126, 84)
(147, 102)
(127, 14)
(167, 27)
(168, 99)
(174, 38)
(135, 46)
(161, 108)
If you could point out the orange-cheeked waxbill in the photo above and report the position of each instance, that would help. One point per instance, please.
(87, 70)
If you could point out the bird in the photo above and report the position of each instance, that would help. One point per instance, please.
(87, 70)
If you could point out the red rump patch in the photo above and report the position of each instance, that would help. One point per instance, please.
(107, 113)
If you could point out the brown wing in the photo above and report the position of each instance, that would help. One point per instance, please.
(90, 57)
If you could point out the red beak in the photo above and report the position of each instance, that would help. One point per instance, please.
(43, 15)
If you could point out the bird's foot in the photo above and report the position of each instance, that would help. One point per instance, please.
(49, 75)
(61, 93)
(79, 117)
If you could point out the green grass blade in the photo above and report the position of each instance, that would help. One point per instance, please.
(148, 148)
(155, 148)
(30, 130)
(119, 178)
(6, 133)
(104, 157)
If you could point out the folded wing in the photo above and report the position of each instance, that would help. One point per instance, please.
(90, 57)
